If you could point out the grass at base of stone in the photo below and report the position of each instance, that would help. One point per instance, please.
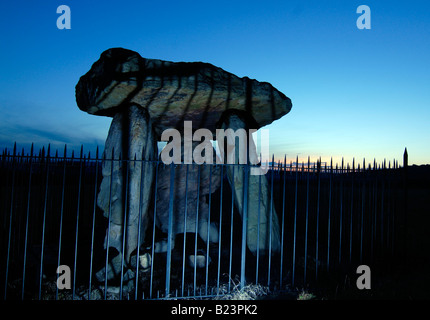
(248, 292)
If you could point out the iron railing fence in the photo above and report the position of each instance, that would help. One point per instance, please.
(331, 219)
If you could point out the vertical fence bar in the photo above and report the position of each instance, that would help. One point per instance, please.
(404, 221)
(341, 212)
(351, 210)
(170, 229)
(153, 231)
(382, 207)
(283, 222)
(318, 217)
(185, 232)
(374, 212)
(295, 221)
(77, 222)
(208, 229)
(61, 215)
(141, 190)
(26, 223)
(244, 225)
(389, 197)
(392, 211)
(10, 220)
(124, 229)
(306, 221)
(363, 197)
(258, 229)
(93, 224)
(270, 222)
(196, 231)
(44, 223)
(231, 231)
(112, 162)
(329, 214)
(220, 230)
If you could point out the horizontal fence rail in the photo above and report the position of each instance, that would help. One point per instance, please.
(331, 218)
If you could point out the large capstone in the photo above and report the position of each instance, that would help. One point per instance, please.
(173, 92)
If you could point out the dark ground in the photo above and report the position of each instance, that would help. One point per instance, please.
(408, 277)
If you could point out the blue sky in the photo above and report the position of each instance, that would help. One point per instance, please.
(355, 93)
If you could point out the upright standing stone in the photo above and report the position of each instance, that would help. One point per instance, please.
(261, 216)
(131, 138)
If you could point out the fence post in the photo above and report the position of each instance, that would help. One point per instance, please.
(170, 229)
(318, 217)
(295, 222)
(244, 225)
(405, 207)
(10, 219)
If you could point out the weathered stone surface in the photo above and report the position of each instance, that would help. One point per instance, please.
(188, 193)
(262, 218)
(130, 136)
(173, 92)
